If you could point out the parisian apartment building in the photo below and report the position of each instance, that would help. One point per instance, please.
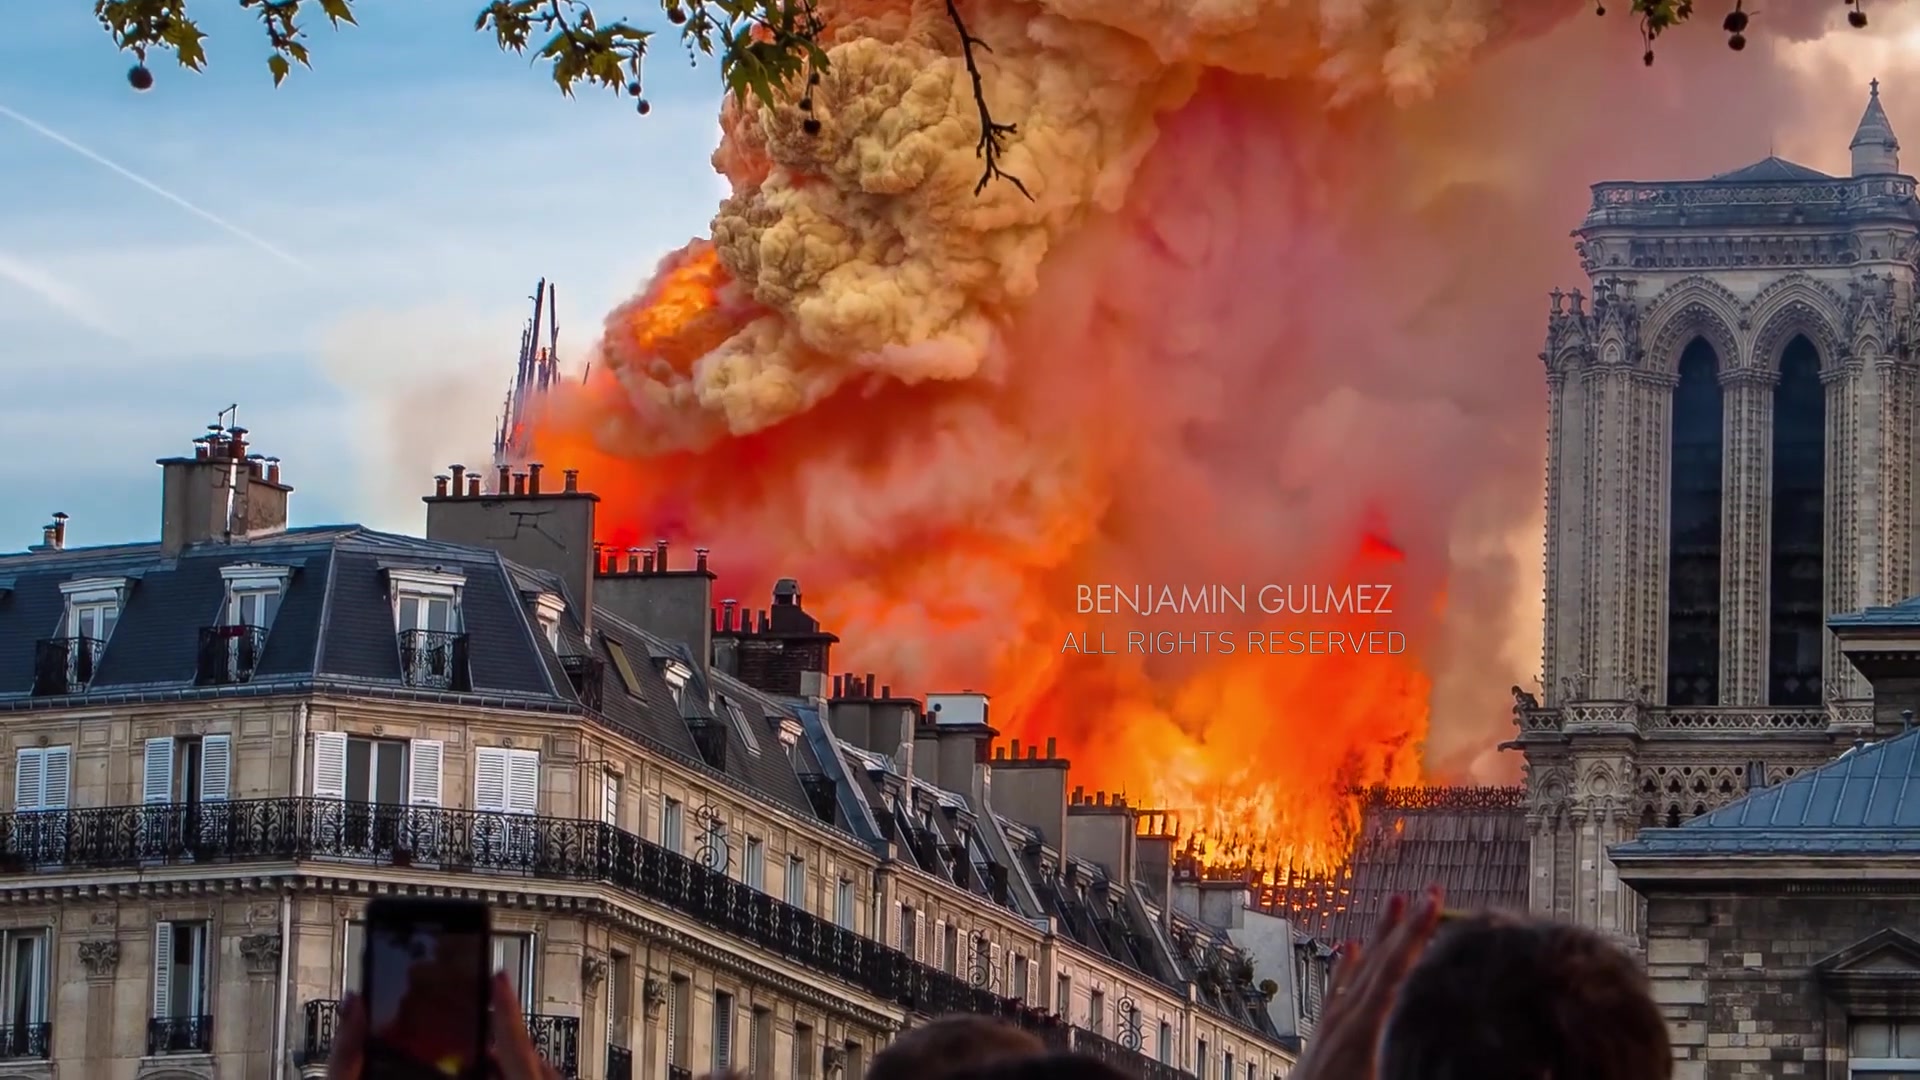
(703, 849)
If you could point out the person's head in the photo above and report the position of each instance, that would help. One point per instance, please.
(950, 1045)
(1044, 1067)
(1502, 998)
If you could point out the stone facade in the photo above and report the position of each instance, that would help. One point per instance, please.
(1684, 659)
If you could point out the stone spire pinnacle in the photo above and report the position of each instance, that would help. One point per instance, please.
(1875, 150)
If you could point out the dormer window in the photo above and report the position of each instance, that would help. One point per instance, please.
(230, 649)
(677, 674)
(547, 610)
(426, 615)
(739, 718)
(93, 607)
(65, 662)
(253, 593)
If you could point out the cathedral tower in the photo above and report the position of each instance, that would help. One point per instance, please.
(1730, 460)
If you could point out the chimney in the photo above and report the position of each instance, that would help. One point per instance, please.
(533, 479)
(961, 737)
(572, 478)
(1033, 791)
(673, 604)
(1153, 846)
(218, 495)
(440, 486)
(1102, 833)
(458, 474)
(551, 531)
(59, 531)
(880, 727)
(777, 656)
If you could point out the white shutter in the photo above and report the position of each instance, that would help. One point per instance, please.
(673, 1023)
(216, 768)
(158, 783)
(56, 777)
(610, 799)
(425, 764)
(29, 779)
(523, 782)
(490, 779)
(329, 765)
(722, 1033)
(162, 969)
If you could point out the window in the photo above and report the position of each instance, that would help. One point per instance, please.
(760, 1048)
(679, 1009)
(797, 881)
(547, 610)
(1020, 977)
(803, 1052)
(909, 932)
(753, 868)
(856, 1061)
(190, 770)
(93, 606)
(1200, 1061)
(506, 781)
(673, 825)
(619, 998)
(426, 600)
(843, 904)
(1166, 1043)
(950, 950)
(610, 799)
(180, 989)
(1226, 1068)
(722, 1032)
(629, 680)
(24, 969)
(1063, 996)
(1883, 1049)
(353, 950)
(1097, 1013)
(739, 717)
(513, 954)
(42, 777)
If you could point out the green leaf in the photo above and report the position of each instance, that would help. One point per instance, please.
(279, 66)
(338, 11)
(184, 37)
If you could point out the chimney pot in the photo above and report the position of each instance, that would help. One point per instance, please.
(766, 624)
(440, 486)
(473, 486)
(459, 474)
(46, 538)
(839, 683)
(238, 442)
(1079, 794)
(660, 556)
(633, 560)
(199, 450)
(699, 558)
(520, 483)
(870, 682)
(273, 470)
(727, 610)
(1016, 749)
(886, 690)
(59, 529)
(505, 483)
(646, 561)
(572, 478)
(1050, 750)
(533, 478)
(1033, 753)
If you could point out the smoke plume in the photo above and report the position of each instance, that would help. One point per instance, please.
(1270, 316)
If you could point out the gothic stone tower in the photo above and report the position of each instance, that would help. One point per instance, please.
(1730, 459)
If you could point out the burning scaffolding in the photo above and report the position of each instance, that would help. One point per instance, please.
(538, 371)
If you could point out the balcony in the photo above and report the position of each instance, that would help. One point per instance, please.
(557, 1038)
(516, 847)
(228, 655)
(179, 1035)
(435, 660)
(679, 1072)
(619, 1063)
(65, 665)
(585, 672)
(26, 1042)
(1123, 1054)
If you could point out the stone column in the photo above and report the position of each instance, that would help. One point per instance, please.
(1850, 486)
(261, 955)
(595, 1035)
(101, 961)
(1745, 532)
(1644, 538)
(1628, 418)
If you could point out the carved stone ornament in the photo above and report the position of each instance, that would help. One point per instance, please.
(833, 1061)
(100, 958)
(593, 971)
(262, 953)
(653, 994)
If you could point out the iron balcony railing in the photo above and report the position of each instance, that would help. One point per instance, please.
(556, 1037)
(1127, 1058)
(65, 665)
(619, 1063)
(228, 654)
(679, 1072)
(179, 1035)
(21, 1042)
(435, 660)
(561, 849)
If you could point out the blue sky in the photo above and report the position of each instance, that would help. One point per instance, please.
(415, 183)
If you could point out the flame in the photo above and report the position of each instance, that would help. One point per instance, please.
(949, 414)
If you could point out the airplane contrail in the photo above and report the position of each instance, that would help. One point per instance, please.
(257, 241)
(57, 295)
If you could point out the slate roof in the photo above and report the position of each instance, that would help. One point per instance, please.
(1769, 170)
(1905, 613)
(1865, 802)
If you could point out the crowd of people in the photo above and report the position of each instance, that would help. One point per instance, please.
(1435, 995)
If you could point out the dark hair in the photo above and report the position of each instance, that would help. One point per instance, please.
(1045, 1067)
(1500, 998)
(952, 1044)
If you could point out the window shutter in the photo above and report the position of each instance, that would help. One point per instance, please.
(523, 782)
(425, 765)
(722, 1033)
(56, 777)
(162, 969)
(490, 779)
(610, 799)
(29, 778)
(158, 782)
(673, 1023)
(216, 767)
(329, 765)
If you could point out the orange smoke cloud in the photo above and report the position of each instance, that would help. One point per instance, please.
(1269, 320)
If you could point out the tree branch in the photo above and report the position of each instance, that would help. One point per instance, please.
(993, 135)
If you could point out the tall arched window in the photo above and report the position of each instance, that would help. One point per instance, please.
(1796, 621)
(1693, 570)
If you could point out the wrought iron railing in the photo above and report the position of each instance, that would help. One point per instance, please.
(1125, 1058)
(435, 660)
(679, 1072)
(269, 830)
(556, 1037)
(322, 1020)
(619, 1063)
(228, 654)
(179, 1035)
(26, 1042)
(65, 665)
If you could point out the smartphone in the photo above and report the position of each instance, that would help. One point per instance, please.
(426, 976)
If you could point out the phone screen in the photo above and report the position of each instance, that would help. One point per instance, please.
(425, 988)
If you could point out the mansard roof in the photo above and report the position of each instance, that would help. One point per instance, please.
(1769, 170)
(1865, 802)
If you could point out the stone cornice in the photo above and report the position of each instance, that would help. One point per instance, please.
(1835, 875)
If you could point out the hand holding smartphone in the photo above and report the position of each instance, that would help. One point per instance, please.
(427, 977)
